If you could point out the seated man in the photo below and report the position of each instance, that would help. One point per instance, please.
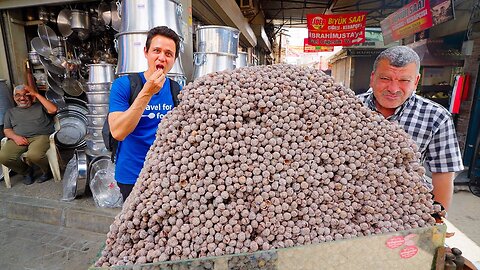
(28, 126)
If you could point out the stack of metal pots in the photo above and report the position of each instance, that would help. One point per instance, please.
(242, 60)
(99, 82)
(138, 17)
(216, 48)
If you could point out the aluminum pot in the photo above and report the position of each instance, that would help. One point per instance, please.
(96, 147)
(166, 12)
(242, 60)
(96, 120)
(142, 15)
(100, 97)
(96, 87)
(98, 108)
(205, 63)
(130, 52)
(217, 39)
(94, 133)
(100, 73)
(79, 20)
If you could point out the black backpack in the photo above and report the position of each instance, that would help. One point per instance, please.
(136, 85)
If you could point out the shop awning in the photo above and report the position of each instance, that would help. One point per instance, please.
(434, 52)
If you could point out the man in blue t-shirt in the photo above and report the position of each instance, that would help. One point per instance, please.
(134, 126)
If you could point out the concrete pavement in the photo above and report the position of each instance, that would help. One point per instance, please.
(33, 245)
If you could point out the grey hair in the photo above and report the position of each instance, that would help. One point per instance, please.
(18, 88)
(398, 56)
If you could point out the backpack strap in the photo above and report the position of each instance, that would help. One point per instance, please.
(136, 85)
(174, 91)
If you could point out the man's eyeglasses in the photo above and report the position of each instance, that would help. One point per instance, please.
(21, 96)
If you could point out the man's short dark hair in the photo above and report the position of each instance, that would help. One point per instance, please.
(398, 56)
(166, 32)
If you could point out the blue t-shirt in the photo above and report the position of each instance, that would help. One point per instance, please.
(132, 150)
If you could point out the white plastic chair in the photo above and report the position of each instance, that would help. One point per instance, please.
(51, 155)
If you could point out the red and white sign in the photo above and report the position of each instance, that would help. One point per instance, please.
(408, 20)
(408, 252)
(308, 48)
(336, 30)
(395, 242)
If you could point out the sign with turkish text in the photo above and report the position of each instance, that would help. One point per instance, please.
(308, 48)
(408, 20)
(336, 30)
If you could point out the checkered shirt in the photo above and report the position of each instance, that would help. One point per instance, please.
(431, 127)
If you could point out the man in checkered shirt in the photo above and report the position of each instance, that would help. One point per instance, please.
(393, 82)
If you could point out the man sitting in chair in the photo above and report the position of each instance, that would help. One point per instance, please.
(27, 127)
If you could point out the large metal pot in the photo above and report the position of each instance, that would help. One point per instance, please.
(100, 73)
(98, 97)
(131, 58)
(166, 12)
(242, 60)
(205, 63)
(130, 52)
(217, 39)
(142, 15)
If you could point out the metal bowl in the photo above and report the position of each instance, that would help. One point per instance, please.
(73, 128)
(102, 97)
(99, 87)
(98, 108)
(96, 120)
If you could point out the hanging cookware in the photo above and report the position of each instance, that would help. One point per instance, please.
(63, 22)
(34, 58)
(72, 87)
(40, 47)
(116, 21)
(104, 13)
(57, 78)
(55, 98)
(51, 67)
(79, 20)
(52, 84)
(48, 36)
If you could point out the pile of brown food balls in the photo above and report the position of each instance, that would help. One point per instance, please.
(268, 157)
